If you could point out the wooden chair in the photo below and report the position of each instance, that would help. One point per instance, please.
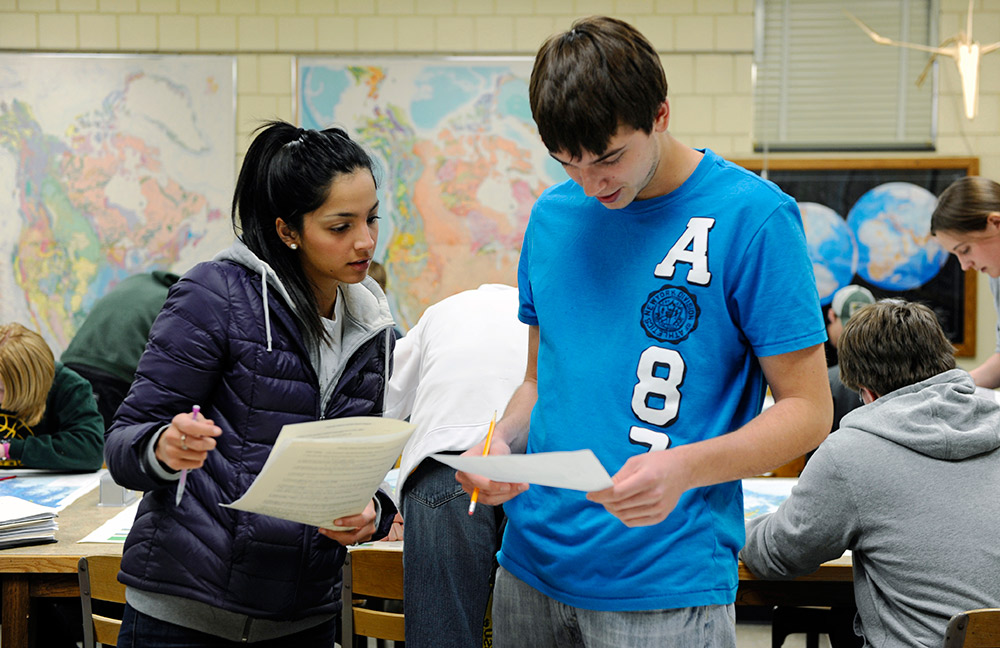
(372, 572)
(974, 629)
(99, 582)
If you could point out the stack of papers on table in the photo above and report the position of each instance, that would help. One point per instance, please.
(25, 523)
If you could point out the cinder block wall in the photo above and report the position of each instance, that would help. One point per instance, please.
(707, 44)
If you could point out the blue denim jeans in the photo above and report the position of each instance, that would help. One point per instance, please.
(523, 616)
(448, 559)
(143, 631)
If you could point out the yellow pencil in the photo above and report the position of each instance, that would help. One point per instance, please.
(486, 451)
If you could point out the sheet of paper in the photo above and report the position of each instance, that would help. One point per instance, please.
(324, 470)
(116, 529)
(575, 470)
(15, 509)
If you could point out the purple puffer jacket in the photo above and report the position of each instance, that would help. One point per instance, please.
(210, 345)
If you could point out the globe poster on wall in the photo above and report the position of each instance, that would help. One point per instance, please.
(867, 222)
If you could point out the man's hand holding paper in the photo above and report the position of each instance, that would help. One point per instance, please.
(502, 476)
(647, 487)
(490, 492)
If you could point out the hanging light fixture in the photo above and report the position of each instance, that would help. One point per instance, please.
(966, 53)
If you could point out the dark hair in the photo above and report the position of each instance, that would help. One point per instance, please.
(588, 81)
(891, 344)
(287, 173)
(965, 204)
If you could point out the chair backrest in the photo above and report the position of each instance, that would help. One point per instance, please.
(372, 571)
(791, 469)
(974, 629)
(99, 582)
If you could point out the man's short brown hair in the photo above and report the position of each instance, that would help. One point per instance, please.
(590, 80)
(891, 344)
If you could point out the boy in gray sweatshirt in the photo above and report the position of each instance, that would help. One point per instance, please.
(908, 484)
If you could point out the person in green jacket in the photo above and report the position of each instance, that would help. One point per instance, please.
(48, 417)
(106, 348)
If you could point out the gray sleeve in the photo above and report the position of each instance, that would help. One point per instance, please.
(152, 464)
(815, 524)
(995, 289)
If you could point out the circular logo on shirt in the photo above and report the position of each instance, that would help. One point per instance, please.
(670, 314)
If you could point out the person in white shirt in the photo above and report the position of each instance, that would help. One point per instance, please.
(458, 365)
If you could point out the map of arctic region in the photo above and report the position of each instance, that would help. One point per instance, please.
(109, 166)
(460, 162)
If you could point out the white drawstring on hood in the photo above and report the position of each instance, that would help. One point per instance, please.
(241, 254)
(267, 312)
(365, 305)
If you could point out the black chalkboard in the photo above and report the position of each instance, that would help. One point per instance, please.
(839, 183)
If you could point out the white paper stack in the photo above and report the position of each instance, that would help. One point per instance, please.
(26, 523)
(323, 470)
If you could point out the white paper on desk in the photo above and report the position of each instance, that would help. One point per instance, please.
(323, 470)
(116, 529)
(576, 470)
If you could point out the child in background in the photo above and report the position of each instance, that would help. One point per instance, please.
(908, 484)
(48, 418)
(283, 327)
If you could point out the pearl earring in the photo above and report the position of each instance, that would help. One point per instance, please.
(294, 246)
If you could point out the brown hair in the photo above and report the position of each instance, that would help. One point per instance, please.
(588, 81)
(377, 272)
(965, 205)
(27, 368)
(891, 344)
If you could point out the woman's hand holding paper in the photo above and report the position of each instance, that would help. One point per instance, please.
(358, 528)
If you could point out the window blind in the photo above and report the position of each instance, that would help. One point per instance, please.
(820, 83)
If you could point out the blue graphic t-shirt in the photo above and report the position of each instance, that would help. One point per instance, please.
(651, 319)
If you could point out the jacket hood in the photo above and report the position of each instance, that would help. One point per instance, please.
(364, 302)
(941, 417)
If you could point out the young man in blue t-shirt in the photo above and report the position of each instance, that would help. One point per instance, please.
(664, 288)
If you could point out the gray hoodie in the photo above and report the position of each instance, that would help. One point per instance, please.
(909, 484)
(364, 304)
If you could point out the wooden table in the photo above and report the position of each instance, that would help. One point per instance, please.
(831, 585)
(49, 570)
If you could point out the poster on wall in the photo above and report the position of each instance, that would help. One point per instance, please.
(867, 222)
(460, 164)
(109, 166)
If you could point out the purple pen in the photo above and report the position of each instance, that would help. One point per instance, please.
(184, 473)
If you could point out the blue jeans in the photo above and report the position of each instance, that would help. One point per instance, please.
(523, 616)
(143, 631)
(448, 559)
